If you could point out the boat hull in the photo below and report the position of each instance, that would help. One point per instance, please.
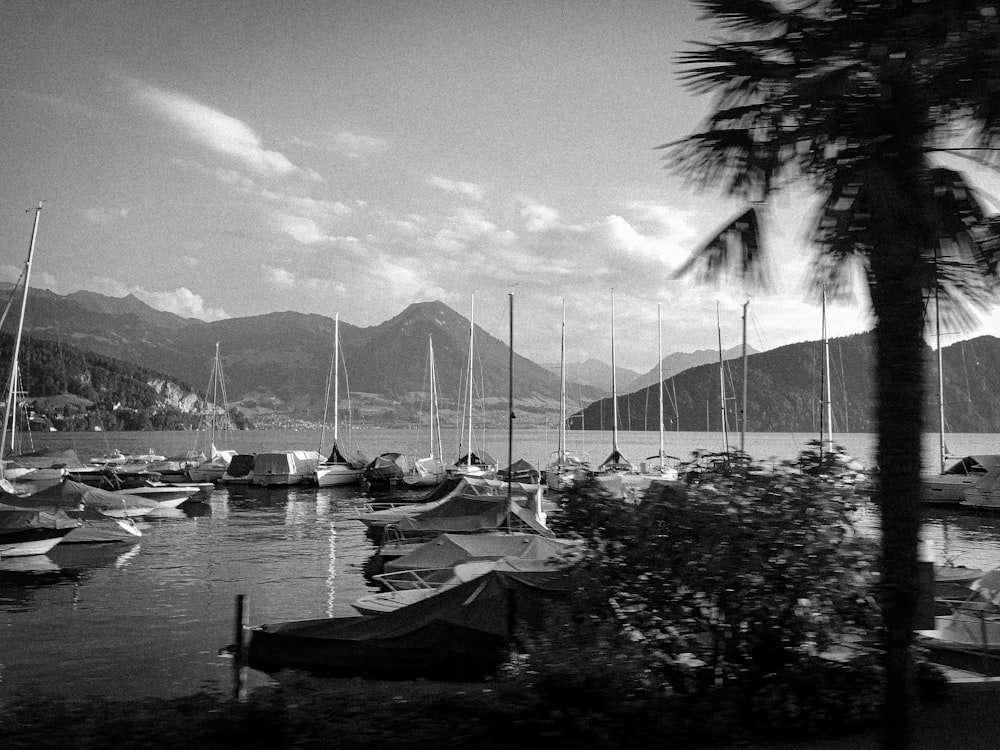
(337, 475)
(31, 542)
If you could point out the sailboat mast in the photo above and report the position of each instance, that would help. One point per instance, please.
(336, 374)
(562, 389)
(743, 405)
(614, 386)
(472, 328)
(215, 392)
(722, 384)
(940, 372)
(435, 409)
(826, 416)
(10, 414)
(510, 402)
(659, 358)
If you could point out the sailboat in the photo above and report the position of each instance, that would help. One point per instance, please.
(25, 532)
(829, 455)
(212, 469)
(664, 466)
(337, 469)
(473, 464)
(429, 471)
(564, 469)
(972, 481)
(615, 463)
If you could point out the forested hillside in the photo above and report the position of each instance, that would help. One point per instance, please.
(75, 390)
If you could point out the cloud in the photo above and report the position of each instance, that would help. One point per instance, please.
(181, 301)
(104, 215)
(357, 146)
(278, 276)
(217, 131)
(468, 189)
(539, 218)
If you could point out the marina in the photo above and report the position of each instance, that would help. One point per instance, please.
(148, 617)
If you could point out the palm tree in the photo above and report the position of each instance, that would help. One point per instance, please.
(858, 99)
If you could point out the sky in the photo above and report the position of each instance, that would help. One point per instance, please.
(227, 159)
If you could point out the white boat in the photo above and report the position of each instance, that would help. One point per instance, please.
(11, 417)
(430, 470)
(616, 463)
(565, 469)
(212, 469)
(165, 495)
(337, 469)
(969, 636)
(473, 463)
(971, 480)
(661, 466)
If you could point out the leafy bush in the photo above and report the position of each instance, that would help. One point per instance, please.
(734, 584)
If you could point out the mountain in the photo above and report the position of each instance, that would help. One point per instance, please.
(783, 391)
(678, 362)
(595, 374)
(280, 361)
(276, 366)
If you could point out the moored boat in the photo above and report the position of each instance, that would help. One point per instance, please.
(284, 468)
(27, 531)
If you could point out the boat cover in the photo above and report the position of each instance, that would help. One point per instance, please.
(280, 463)
(16, 520)
(616, 462)
(241, 465)
(449, 550)
(482, 458)
(354, 460)
(387, 467)
(469, 514)
(75, 496)
(461, 633)
(520, 470)
(44, 458)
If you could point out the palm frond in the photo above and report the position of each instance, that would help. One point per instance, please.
(742, 15)
(733, 70)
(734, 250)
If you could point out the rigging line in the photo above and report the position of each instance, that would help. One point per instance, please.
(347, 389)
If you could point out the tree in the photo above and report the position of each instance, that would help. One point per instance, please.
(858, 99)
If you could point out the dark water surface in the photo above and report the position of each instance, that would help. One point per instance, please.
(148, 618)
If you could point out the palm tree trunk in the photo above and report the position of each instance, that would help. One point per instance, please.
(898, 306)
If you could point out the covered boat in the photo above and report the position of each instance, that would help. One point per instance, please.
(79, 498)
(449, 550)
(239, 470)
(476, 464)
(462, 633)
(282, 468)
(27, 531)
(463, 514)
(386, 469)
(520, 471)
(340, 468)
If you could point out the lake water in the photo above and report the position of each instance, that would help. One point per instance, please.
(148, 618)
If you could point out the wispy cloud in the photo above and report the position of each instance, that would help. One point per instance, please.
(279, 276)
(104, 215)
(217, 131)
(468, 189)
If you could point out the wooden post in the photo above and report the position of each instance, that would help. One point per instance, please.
(239, 651)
